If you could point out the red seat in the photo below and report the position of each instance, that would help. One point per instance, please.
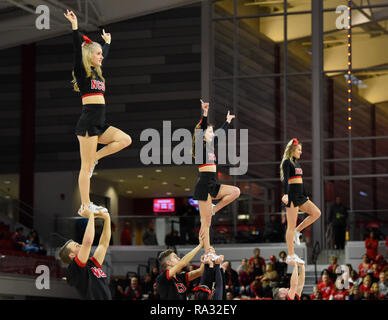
(6, 244)
(4, 227)
(242, 228)
(221, 229)
(373, 225)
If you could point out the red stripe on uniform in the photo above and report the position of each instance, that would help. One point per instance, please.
(92, 94)
(82, 265)
(206, 164)
(94, 260)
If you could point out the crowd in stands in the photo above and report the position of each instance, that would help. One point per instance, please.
(368, 282)
(29, 244)
(21, 252)
(253, 279)
(18, 241)
(256, 279)
(133, 288)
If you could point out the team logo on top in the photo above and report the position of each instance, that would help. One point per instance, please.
(298, 171)
(326, 290)
(180, 287)
(98, 272)
(96, 84)
(212, 156)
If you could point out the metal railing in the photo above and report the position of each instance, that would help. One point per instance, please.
(15, 207)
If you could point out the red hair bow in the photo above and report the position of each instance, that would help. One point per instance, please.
(295, 142)
(87, 40)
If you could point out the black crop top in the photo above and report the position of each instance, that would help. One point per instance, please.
(290, 171)
(209, 157)
(87, 86)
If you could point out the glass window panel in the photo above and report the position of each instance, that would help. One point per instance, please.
(255, 7)
(299, 43)
(299, 107)
(223, 8)
(257, 53)
(223, 48)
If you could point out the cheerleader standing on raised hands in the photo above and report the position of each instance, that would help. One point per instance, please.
(91, 128)
(207, 187)
(295, 197)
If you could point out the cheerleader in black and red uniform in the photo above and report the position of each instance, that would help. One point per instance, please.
(213, 273)
(207, 187)
(295, 197)
(91, 128)
(296, 284)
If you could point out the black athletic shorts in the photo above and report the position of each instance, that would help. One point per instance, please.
(207, 183)
(92, 120)
(296, 194)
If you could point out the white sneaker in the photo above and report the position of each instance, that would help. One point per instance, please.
(92, 207)
(213, 256)
(297, 235)
(213, 213)
(91, 171)
(294, 258)
(97, 209)
(299, 260)
(290, 259)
